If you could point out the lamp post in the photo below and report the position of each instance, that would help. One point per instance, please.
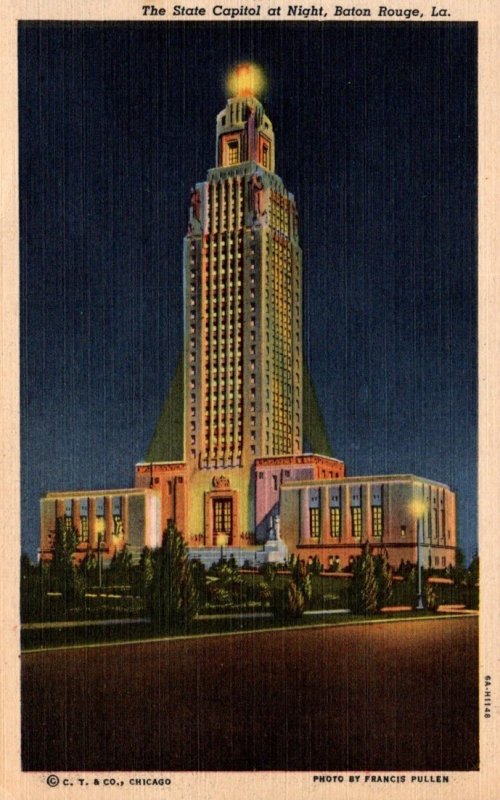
(420, 603)
(418, 507)
(99, 562)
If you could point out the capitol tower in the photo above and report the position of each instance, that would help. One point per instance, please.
(242, 360)
(243, 308)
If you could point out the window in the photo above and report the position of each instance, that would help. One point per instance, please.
(84, 529)
(222, 516)
(377, 521)
(232, 152)
(335, 522)
(356, 521)
(265, 156)
(117, 525)
(275, 483)
(403, 530)
(314, 523)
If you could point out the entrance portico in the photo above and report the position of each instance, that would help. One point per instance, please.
(221, 515)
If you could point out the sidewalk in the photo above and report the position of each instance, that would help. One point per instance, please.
(34, 626)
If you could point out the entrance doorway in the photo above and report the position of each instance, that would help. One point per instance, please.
(222, 521)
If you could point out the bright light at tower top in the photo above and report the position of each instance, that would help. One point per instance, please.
(246, 80)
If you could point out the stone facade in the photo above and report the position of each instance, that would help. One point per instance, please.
(104, 521)
(333, 519)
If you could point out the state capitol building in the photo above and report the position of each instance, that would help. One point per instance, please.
(244, 483)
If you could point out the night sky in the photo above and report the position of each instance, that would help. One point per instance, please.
(376, 136)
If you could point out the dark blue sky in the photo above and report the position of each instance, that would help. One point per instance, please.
(376, 137)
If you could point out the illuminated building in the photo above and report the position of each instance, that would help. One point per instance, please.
(396, 514)
(102, 521)
(242, 477)
(242, 333)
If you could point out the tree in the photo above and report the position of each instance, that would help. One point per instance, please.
(290, 601)
(474, 569)
(119, 571)
(145, 571)
(363, 589)
(66, 578)
(460, 558)
(383, 577)
(33, 590)
(88, 567)
(431, 600)
(173, 599)
(199, 575)
(472, 583)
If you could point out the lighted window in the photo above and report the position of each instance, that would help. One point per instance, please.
(314, 523)
(356, 522)
(403, 530)
(377, 521)
(232, 152)
(222, 516)
(117, 525)
(84, 529)
(335, 522)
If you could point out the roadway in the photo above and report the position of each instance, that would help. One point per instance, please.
(391, 696)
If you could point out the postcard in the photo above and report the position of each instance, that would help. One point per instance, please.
(249, 388)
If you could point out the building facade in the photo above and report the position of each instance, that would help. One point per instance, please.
(395, 514)
(243, 326)
(106, 521)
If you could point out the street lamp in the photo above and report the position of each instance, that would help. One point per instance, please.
(418, 507)
(99, 561)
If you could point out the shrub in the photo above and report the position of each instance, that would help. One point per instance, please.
(225, 576)
(431, 600)
(199, 574)
(290, 600)
(268, 571)
(173, 599)
(363, 590)
(265, 593)
(315, 567)
(383, 577)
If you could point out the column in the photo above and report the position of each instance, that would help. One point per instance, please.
(305, 528)
(92, 524)
(324, 510)
(108, 521)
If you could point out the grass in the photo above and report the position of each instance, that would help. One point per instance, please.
(107, 634)
(329, 594)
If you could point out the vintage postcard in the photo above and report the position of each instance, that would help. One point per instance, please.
(249, 400)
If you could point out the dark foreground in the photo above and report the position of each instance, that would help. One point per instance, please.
(401, 696)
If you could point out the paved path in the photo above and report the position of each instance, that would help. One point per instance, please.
(79, 623)
(379, 697)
